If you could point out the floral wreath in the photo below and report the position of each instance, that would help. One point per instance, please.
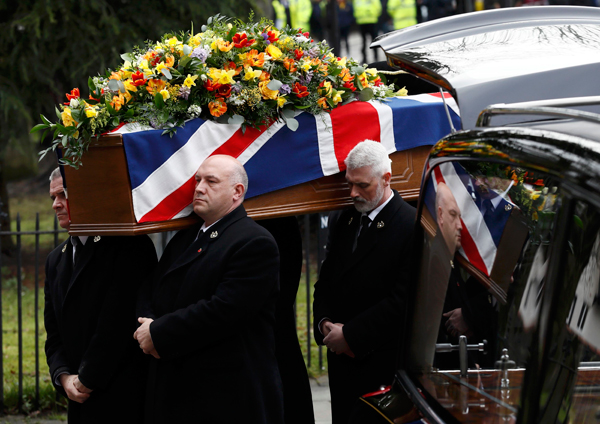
(249, 74)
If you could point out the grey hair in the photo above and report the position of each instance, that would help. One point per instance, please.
(55, 174)
(239, 176)
(369, 153)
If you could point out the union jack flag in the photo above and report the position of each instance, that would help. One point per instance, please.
(162, 169)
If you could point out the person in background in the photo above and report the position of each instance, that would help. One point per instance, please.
(403, 12)
(208, 315)
(295, 13)
(359, 299)
(366, 13)
(89, 314)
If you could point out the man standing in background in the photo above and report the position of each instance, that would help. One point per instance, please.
(90, 295)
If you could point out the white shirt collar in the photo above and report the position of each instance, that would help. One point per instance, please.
(373, 214)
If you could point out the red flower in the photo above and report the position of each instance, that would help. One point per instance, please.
(73, 95)
(138, 79)
(241, 40)
(350, 85)
(210, 86)
(272, 38)
(300, 90)
(231, 66)
(378, 82)
(224, 91)
(298, 53)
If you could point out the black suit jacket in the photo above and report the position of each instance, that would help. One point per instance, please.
(364, 290)
(213, 307)
(90, 319)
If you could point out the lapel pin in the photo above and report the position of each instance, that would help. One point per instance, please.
(507, 207)
(64, 249)
(97, 239)
(199, 250)
(380, 224)
(350, 222)
(214, 234)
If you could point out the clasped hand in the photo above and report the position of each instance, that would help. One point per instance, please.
(144, 338)
(335, 340)
(75, 390)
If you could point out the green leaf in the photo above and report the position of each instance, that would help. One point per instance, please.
(203, 28)
(91, 84)
(64, 140)
(128, 57)
(186, 51)
(166, 73)
(236, 120)
(292, 124)
(209, 21)
(113, 84)
(184, 62)
(288, 113)
(115, 121)
(38, 127)
(159, 102)
(45, 120)
(231, 33)
(274, 85)
(357, 70)
(578, 221)
(121, 86)
(366, 95)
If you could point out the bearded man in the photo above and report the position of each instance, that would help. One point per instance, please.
(359, 298)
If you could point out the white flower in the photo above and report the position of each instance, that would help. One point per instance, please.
(302, 39)
(236, 100)
(203, 77)
(194, 110)
(74, 103)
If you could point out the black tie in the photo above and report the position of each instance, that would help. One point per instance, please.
(488, 208)
(362, 230)
(78, 248)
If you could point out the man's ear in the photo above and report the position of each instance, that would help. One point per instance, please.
(238, 191)
(387, 178)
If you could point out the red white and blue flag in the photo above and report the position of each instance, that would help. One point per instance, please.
(162, 169)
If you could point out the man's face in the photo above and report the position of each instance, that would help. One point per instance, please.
(59, 202)
(366, 189)
(449, 220)
(214, 193)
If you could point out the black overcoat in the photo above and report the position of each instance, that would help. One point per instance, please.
(90, 318)
(365, 291)
(213, 306)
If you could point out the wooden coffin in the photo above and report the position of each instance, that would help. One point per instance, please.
(100, 199)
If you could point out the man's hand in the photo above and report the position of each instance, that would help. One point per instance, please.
(325, 327)
(144, 338)
(456, 324)
(80, 387)
(335, 340)
(68, 383)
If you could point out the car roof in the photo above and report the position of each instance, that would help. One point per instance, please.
(505, 55)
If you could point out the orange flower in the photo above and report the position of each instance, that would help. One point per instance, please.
(116, 75)
(265, 76)
(345, 75)
(117, 102)
(217, 107)
(300, 90)
(266, 92)
(255, 59)
(323, 103)
(155, 86)
(231, 65)
(289, 64)
(169, 60)
(138, 79)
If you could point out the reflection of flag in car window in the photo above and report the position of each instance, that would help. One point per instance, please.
(484, 215)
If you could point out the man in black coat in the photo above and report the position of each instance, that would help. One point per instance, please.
(359, 298)
(89, 316)
(208, 317)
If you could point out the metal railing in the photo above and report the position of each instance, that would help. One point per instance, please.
(312, 258)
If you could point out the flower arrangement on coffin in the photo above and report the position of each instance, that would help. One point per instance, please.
(232, 72)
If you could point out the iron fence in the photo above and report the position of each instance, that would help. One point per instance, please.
(313, 240)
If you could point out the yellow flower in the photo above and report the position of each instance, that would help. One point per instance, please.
(160, 67)
(402, 92)
(251, 74)
(371, 71)
(305, 65)
(91, 111)
(273, 51)
(117, 102)
(266, 92)
(281, 101)
(129, 85)
(323, 103)
(165, 94)
(220, 44)
(172, 41)
(342, 62)
(325, 89)
(67, 119)
(190, 80)
(363, 80)
(337, 97)
(226, 77)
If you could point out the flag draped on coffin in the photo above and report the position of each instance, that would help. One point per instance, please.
(162, 169)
